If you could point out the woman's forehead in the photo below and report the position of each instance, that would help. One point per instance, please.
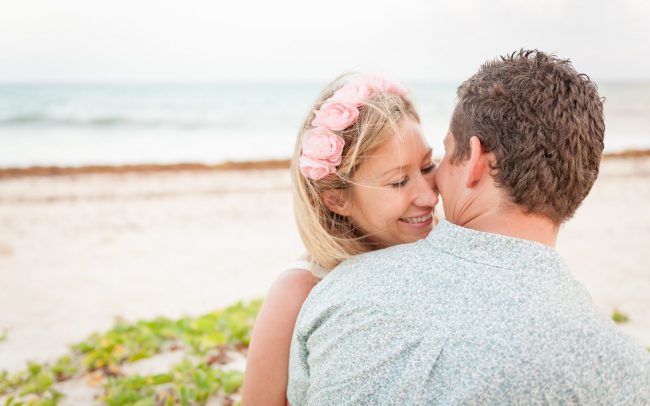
(397, 153)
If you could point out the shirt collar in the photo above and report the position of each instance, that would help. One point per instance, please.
(492, 249)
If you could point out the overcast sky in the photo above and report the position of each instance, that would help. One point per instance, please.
(286, 40)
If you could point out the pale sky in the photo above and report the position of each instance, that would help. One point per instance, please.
(286, 40)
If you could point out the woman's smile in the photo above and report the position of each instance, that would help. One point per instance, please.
(418, 221)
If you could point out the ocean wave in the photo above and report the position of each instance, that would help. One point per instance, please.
(39, 120)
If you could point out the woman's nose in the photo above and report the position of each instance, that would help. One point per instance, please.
(426, 195)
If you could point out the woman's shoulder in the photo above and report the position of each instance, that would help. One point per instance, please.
(291, 287)
(295, 277)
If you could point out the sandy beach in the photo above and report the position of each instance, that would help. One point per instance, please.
(79, 249)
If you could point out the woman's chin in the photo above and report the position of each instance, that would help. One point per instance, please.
(416, 232)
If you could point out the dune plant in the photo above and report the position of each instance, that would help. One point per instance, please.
(204, 339)
(620, 317)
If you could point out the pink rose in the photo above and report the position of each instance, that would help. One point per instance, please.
(352, 93)
(335, 116)
(322, 144)
(315, 168)
(381, 84)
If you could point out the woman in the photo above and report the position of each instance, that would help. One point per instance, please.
(362, 180)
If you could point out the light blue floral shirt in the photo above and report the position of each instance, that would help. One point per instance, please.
(461, 317)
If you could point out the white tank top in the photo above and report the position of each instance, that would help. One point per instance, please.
(308, 266)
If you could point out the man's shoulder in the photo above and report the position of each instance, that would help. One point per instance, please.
(385, 259)
(375, 266)
(361, 278)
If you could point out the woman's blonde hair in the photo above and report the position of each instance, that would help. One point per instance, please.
(329, 237)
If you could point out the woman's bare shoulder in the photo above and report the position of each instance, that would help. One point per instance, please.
(291, 288)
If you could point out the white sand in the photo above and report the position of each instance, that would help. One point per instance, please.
(77, 251)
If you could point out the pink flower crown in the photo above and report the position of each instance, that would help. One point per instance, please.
(321, 147)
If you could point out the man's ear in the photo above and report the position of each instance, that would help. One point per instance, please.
(478, 163)
(338, 201)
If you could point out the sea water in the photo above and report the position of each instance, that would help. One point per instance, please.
(97, 124)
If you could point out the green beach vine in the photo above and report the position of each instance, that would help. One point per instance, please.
(202, 374)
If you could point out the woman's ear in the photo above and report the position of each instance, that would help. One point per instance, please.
(338, 201)
(478, 162)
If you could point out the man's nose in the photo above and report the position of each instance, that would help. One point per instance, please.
(434, 178)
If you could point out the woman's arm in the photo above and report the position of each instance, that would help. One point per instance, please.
(267, 365)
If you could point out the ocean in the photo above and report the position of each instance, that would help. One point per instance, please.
(84, 124)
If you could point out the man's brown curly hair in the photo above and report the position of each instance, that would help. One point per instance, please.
(544, 123)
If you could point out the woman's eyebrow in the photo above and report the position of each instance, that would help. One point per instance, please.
(426, 157)
(392, 170)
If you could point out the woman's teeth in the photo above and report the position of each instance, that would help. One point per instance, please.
(417, 220)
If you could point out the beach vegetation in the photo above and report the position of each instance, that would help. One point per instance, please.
(620, 317)
(203, 373)
(187, 383)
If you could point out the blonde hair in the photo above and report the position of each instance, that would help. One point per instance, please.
(329, 237)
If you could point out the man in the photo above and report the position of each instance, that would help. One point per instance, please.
(483, 310)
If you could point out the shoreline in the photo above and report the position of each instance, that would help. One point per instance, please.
(41, 170)
(143, 168)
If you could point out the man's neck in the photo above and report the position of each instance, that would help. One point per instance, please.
(516, 224)
(508, 220)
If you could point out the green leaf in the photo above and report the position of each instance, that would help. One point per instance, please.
(39, 383)
(620, 317)
(160, 379)
(232, 381)
(144, 402)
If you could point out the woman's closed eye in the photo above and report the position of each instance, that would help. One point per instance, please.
(400, 183)
(428, 168)
(425, 171)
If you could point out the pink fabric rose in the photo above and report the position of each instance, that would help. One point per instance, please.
(352, 93)
(322, 144)
(321, 153)
(315, 168)
(381, 84)
(335, 116)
